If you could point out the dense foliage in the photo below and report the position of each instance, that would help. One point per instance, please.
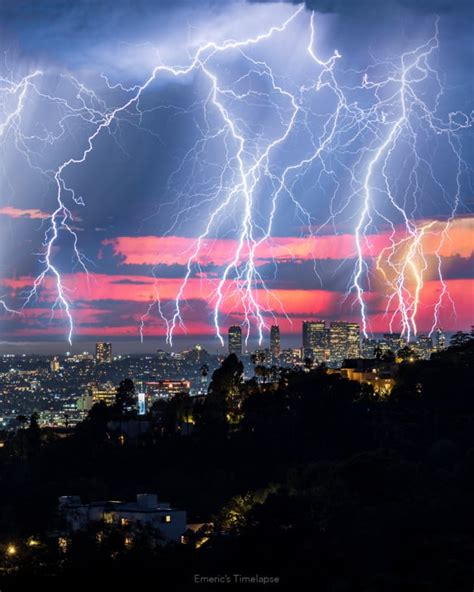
(311, 478)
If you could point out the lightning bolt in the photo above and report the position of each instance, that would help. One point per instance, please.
(353, 148)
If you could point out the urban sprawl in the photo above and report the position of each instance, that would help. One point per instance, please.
(62, 389)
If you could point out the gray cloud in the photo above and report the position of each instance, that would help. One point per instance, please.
(363, 8)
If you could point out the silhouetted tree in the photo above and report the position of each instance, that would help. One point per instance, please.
(459, 339)
(407, 354)
(387, 356)
(125, 397)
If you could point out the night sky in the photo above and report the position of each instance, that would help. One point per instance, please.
(148, 188)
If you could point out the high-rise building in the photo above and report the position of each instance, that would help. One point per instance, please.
(103, 353)
(235, 340)
(314, 340)
(353, 341)
(275, 343)
(54, 364)
(344, 342)
(440, 340)
(338, 345)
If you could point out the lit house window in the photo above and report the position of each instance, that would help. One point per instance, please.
(108, 517)
(166, 518)
(123, 521)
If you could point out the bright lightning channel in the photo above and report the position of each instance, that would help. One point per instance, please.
(369, 136)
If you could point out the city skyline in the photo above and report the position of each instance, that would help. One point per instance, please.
(292, 340)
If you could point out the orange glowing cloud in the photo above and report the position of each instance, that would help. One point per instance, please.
(289, 306)
(32, 214)
(456, 239)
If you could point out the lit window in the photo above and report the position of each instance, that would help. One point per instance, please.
(108, 517)
(166, 518)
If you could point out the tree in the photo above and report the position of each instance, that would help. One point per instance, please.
(33, 435)
(223, 401)
(459, 339)
(125, 396)
(22, 420)
(387, 356)
(407, 354)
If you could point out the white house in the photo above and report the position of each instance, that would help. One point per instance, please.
(146, 511)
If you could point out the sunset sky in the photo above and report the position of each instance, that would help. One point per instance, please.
(142, 197)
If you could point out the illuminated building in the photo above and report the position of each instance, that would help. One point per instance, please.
(235, 340)
(145, 511)
(368, 348)
(365, 372)
(440, 340)
(393, 342)
(353, 340)
(103, 353)
(84, 402)
(167, 388)
(424, 346)
(76, 358)
(344, 341)
(54, 365)
(104, 396)
(338, 345)
(275, 343)
(291, 357)
(314, 340)
(263, 357)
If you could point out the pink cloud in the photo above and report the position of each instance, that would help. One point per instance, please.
(32, 214)
(177, 250)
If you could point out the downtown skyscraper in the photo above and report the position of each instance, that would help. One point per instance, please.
(344, 342)
(235, 340)
(275, 342)
(314, 340)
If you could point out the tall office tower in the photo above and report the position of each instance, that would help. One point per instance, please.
(314, 340)
(353, 340)
(55, 365)
(440, 340)
(103, 353)
(235, 340)
(275, 343)
(338, 343)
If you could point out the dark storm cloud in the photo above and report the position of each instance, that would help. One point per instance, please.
(63, 27)
(458, 267)
(364, 7)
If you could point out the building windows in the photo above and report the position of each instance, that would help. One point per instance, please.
(108, 518)
(166, 519)
(235, 340)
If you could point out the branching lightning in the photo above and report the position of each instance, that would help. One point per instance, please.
(354, 145)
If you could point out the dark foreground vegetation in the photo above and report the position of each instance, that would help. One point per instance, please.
(310, 479)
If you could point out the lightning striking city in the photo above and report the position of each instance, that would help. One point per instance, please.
(362, 137)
